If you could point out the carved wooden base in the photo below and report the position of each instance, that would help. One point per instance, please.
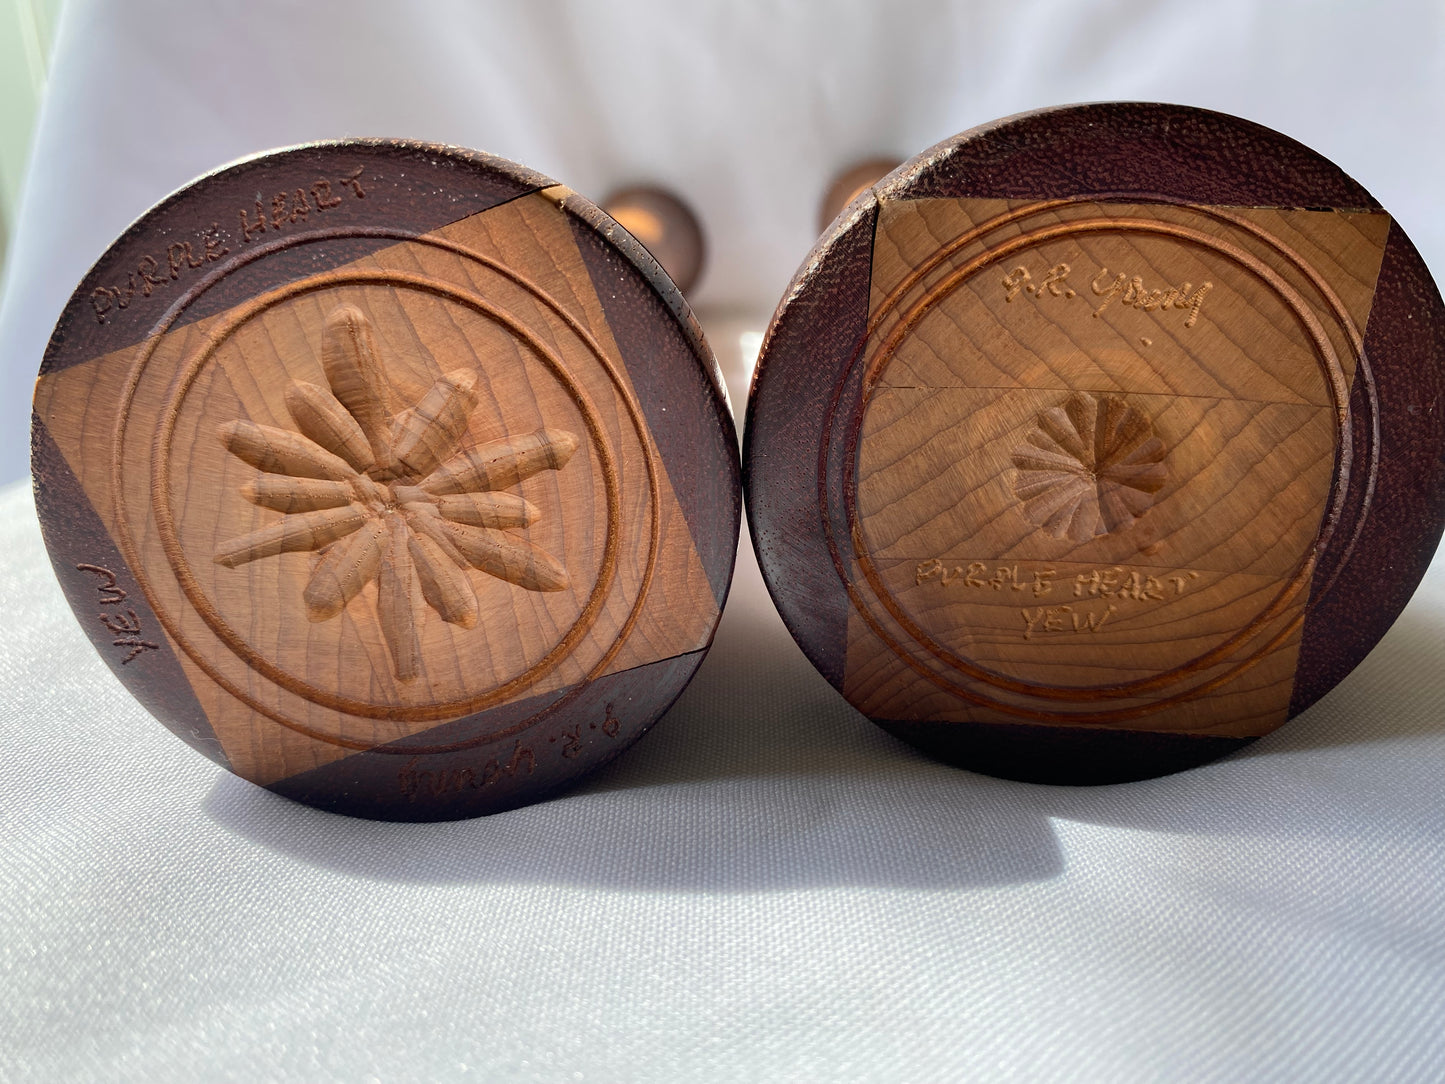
(1099, 441)
(402, 490)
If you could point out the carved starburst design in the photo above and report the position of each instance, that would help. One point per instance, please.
(392, 499)
(1091, 467)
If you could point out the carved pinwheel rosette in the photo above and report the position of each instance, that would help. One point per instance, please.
(403, 491)
(1089, 468)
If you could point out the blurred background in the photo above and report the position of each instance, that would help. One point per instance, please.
(746, 109)
(27, 29)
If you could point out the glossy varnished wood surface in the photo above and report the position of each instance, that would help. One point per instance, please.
(1091, 434)
(398, 492)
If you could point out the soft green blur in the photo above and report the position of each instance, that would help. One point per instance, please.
(27, 29)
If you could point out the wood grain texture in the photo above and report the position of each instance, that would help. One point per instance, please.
(373, 502)
(1105, 443)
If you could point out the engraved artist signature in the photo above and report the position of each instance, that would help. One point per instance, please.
(1127, 289)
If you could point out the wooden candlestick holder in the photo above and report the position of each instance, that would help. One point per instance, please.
(395, 478)
(1099, 441)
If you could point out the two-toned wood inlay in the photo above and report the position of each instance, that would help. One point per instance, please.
(1078, 453)
(407, 490)
(1098, 448)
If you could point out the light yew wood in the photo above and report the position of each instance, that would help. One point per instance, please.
(401, 534)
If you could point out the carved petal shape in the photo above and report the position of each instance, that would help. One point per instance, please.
(284, 494)
(502, 463)
(344, 570)
(394, 606)
(444, 586)
(512, 559)
(430, 431)
(348, 355)
(321, 417)
(307, 531)
(279, 451)
(498, 510)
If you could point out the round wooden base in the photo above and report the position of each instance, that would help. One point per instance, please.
(395, 478)
(1099, 441)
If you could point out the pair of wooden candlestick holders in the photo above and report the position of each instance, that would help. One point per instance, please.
(1086, 446)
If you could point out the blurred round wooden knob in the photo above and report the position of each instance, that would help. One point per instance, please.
(850, 184)
(665, 226)
(1099, 441)
(385, 475)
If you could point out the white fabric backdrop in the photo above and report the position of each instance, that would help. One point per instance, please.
(766, 888)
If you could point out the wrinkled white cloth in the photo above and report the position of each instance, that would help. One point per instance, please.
(766, 888)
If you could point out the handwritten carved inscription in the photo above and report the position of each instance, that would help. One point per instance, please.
(522, 760)
(1065, 619)
(1090, 467)
(435, 783)
(124, 624)
(283, 210)
(1128, 290)
(286, 208)
(1119, 589)
(392, 499)
(151, 272)
(571, 737)
(611, 725)
(1132, 293)
(1113, 582)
